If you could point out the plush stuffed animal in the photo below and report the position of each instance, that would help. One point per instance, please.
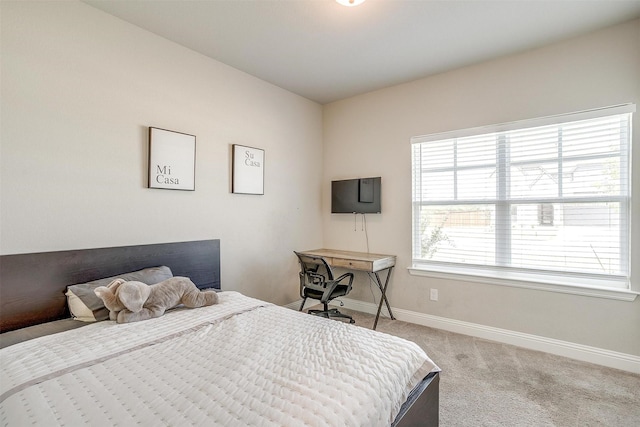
(133, 301)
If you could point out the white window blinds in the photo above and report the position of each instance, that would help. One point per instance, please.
(546, 195)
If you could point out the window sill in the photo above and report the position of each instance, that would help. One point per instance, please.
(560, 284)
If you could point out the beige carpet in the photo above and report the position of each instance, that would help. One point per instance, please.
(484, 383)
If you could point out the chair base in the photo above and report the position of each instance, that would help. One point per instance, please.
(331, 313)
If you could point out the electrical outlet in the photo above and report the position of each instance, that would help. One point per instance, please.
(434, 295)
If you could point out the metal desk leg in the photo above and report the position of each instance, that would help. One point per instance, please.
(383, 290)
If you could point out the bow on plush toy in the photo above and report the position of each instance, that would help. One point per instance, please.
(133, 301)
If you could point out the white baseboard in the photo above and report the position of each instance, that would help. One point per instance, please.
(611, 359)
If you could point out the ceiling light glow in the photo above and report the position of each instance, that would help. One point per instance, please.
(350, 3)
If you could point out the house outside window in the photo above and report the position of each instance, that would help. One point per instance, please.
(544, 199)
(545, 214)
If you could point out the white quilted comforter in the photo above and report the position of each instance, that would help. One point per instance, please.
(242, 362)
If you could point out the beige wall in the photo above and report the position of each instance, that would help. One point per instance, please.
(368, 135)
(79, 90)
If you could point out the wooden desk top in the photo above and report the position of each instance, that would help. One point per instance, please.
(354, 260)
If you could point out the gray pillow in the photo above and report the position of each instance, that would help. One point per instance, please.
(86, 306)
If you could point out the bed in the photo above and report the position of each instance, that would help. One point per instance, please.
(240, 362)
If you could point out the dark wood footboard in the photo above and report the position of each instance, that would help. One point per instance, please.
(423, 405)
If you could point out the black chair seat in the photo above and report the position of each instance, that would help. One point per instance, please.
(339, 292)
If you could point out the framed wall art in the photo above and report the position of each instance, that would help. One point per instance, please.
(247, 170)
(172, 160)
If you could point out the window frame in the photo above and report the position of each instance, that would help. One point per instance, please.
(614, 287)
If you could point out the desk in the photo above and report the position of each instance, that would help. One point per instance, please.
(372, 264)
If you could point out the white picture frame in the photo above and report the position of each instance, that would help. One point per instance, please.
(172, 160)
(247, 170)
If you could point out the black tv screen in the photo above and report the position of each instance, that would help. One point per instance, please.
(361, 195)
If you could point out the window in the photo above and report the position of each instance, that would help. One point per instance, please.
(539, 198)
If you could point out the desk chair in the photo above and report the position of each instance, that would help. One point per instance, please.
(317, 282)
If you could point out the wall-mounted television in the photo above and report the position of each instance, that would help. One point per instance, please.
(360, 195)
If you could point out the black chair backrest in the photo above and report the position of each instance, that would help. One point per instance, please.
(312, 266)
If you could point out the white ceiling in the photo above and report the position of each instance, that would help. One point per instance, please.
(326, 52)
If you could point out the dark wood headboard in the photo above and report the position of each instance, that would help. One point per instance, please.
(32, 286)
